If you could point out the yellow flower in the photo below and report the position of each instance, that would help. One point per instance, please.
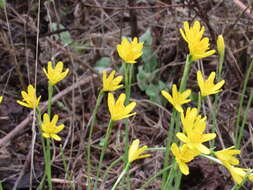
(238, 174)
(135, 152)
(177, 98)
(30, 99)
(198, 46)
(111, 83)
(130, 51)
(220, 45)
(49, 128)
(183, 155)
(55, 74)
(118, 110)
(188, 120)
(195, 137)
(1, 99)
(227, 155)
(207, 87)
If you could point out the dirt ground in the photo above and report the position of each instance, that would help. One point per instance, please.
(80, 33)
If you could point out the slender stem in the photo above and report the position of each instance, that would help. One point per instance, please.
(220, 65)
(245, 116)
(241, 102)
(175, 120)
(121, 176)
(110, 167)
(48, 153)
(92, 123)
(38, 113)
(128, 91)
(199, 102)
(50, 94)
(149, 181)
(128, 80)
(107, 135)
(214, 109)
(48, 164)
(171, 176)
(185, 74)
(168, 144)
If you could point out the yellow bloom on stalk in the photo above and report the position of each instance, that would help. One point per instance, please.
(110, 83)
(227, 155)
(30, 99)
(177, 98)
(198, 46)
(117, 109)
(1, 99)
(207, 87)
(49, 128)
(188, 120)
(135, 152)
(130, 51)
(238, 174)
(183, 155)
(220, 45)
(195, 137)
(55, 74)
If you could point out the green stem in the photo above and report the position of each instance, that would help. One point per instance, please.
(154, 177)
(199, 102)
(107, 135)
(48, 164)
(220, 65)
(175, 120)
(168, 144)
(38, 113)
(50, 94)
(214, 109)
(185, 74)
(121, 176)
(92, 123)
(111, 166)
(245, 116)
(241, 102)
(169, 180)
(48, 153)
(128, 81)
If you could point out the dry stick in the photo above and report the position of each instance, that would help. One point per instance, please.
(18, 128)
(132, 8)
(244, 8)
(18, 69)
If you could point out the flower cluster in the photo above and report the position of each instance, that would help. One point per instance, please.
(30, 100)
(193, 137)
(207, 87)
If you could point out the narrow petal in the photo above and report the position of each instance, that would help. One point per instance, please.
(111, 102)
(130, 107)
(203, 149)
(182, 137)
(208, 137)
(184, 168)
(23, 104)
(167, 96)
(45, 135)
(55, 119)
(56, 137)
